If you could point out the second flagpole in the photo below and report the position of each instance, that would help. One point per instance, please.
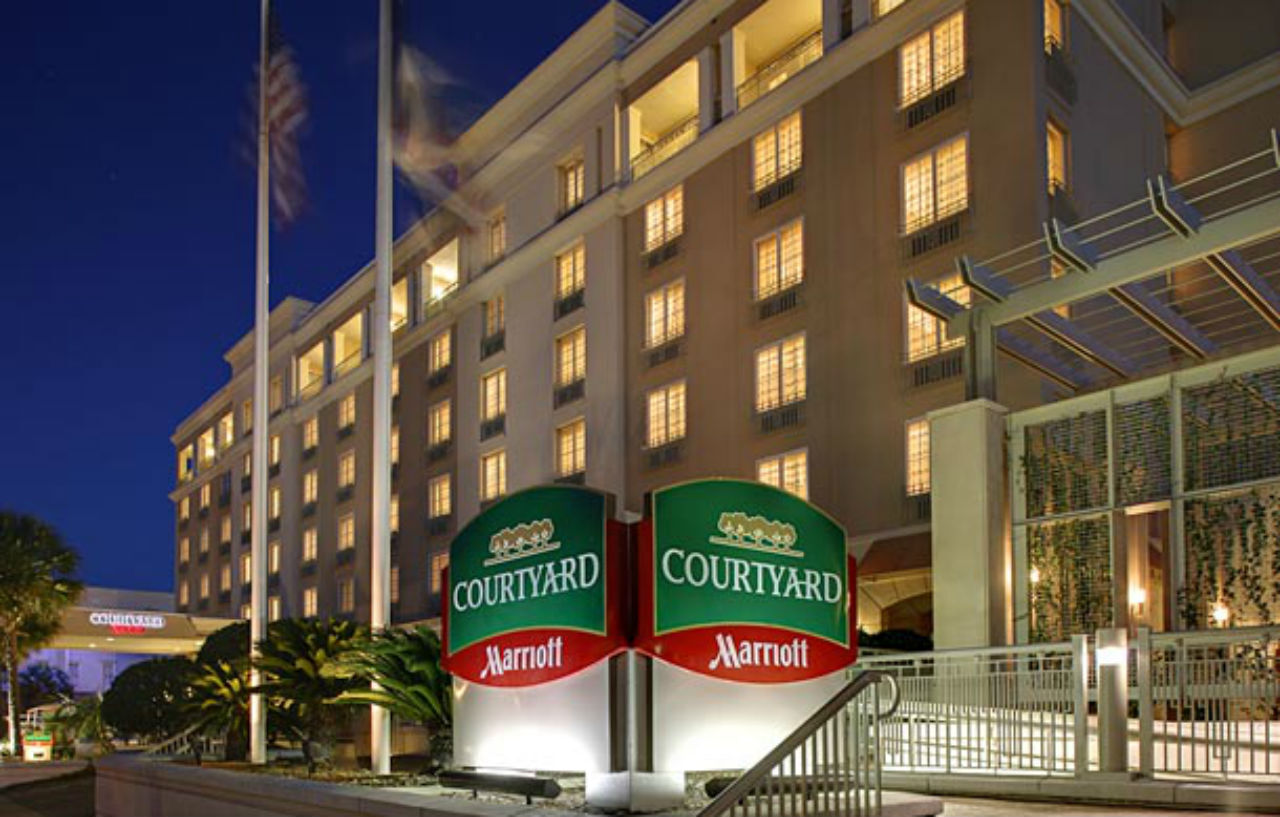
(380, 539)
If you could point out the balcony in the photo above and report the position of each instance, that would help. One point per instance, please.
(936, 369)
(224, 548)
(799, 55)
(438, 279)
(493, 426)
(309, 508)
(246, 537)
(310, 388)
(273, 580)
(346, 492)
(439, 377)
(346, 556)
(273, 524)
(346, 431)
(663, 120)
(569, 392)
(246, 483)
(780, 302)
(1059, 74)
(666, 454)
(438, 525)
(660, 255)
(570, 303)
(273, 470)
(493, 343)
(437, 452)
(663, 352)
(776, 419)
(224, 499)
(576, 478)
(308, 568)
(944, 231)
(309, 452)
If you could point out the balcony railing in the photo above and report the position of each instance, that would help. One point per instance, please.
(796, 58)
(310, 389)
(347, 364)
(433, 304)
(668, 145)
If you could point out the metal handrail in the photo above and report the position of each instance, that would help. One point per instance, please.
(802, 784)
(680, 136)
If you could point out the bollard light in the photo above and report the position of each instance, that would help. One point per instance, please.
(1113, 656)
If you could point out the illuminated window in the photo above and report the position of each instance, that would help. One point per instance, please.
(789, 471)
(497, 236)
(248, 464)
(224, 578)
(246, 417)
(275, 394)
(399, 304)
(310, 544)
(184, 550)
(246, 569)
(347, 595)
(347, 531)
(573, 176)
(274, 611)
(184, 594)
(274, 505)
(310, 486)
(439, 425)
(206, 448)
(1055, 26)
(348, 344)
(495, 315)
(224, 530)
(439, 562)
(1056, 153)
(439, 352)
(394, 584)
(571, 271)
(273, 557)
(438, 276)
(571, 357)
(311, 371)
(395, 380)
(310, 602)
(311, 433)
(245, 610)
(935, 185)
(665, 415)
(571, 448)
(439, 496)
(883, 7)
(347, 469)
(664, 314)
(664, 219)
(917, 457)
(395, 445)
(347, 411)
(204, 540)
(204, 586)
(184, 508)
(932, 60)
(780, 260)
(273, 448)
(493, 395)
(780, 373)
(186, 463)
(493, 475)
(395, 513)
(926, 335)
(248, 517)
(206, 493)
(777, 152)
(226, 431)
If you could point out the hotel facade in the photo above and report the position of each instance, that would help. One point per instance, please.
(692, 263)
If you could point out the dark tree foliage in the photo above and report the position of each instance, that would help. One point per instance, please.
(897, 640)
(41, 684)
(148, 699)
(229, 645)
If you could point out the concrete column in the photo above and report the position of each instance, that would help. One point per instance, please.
(733, 69)
(628, 139)
(831, 33)
(861, 14)
(971, 554)
(708, 68)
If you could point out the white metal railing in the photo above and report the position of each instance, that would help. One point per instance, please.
(188, 743)
(797, 56)
(668, 145)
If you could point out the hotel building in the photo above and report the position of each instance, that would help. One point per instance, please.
(692, 263)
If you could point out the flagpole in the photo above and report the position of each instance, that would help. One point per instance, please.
(380, 540)
(261, 416)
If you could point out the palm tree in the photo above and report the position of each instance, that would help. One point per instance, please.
(37, 582)
(295, 662)
(219, 705)
(82, 720)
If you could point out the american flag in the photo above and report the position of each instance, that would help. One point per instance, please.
(286, 113)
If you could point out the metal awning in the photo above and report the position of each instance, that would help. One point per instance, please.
(130, 631)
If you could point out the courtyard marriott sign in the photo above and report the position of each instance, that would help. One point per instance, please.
(530, 596)
(744, 582)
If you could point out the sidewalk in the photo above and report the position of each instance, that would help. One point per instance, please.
(17, 773)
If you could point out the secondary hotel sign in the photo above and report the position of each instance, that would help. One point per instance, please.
(126, 623)
(533, 588)
(744, 582)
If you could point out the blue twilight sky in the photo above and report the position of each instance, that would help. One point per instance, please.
(126, 225)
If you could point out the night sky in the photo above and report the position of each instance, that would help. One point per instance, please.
(127, 218)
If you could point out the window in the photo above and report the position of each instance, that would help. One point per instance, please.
(395, 513)
(571, 448)
(204, 540)
(664, 219)
(347, 531)
(935, 185)
(273, 557)
(395, 380)
(780, 373)
(248, 464)
(348, 344)
(395, 584)
(439, 562)
(184, 508)
(224, 578)
(226, 431)
(206, 448)
(1055, 26)
(311, 433)
(395, 445)
(571, 357)
(932, 60)
(245, 610)
(665, 415)
(439, 497)
(438, 276)
(186, 464)
(310, 602)
(274, 611)
(246, 416)
(399, 304)
(440, 352)
(246, 568)
(883, 7)
(497, 235)
(439, 424)
(310, 544)
(310, 486)
(780, 260)
(311, 371)
(184, 594)
(1056, 152)
(347, 469)
(248, 517)
(664, 314)
(347, 411)
(224, 530)
(347, 595)
(495, 315)
(789, 471)
(573, 177)
(493, 395)
(274, 449)
(275, 394)
(184, 550)
(917, 457)
(926, 335)
(777, 152)
(493, 475)
(571, 271)
(274, 505)
(204, 586)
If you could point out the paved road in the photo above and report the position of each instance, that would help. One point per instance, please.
(973, 807)
(68, 797)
